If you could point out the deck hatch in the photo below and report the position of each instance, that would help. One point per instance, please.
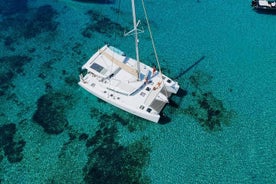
(97, 67)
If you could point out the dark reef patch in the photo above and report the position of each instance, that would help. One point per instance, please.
(47, 68)
(50, 113)
(110, 162)
(9, 7)
(101, 24)
(77, 48)
(199, 79)
(5, 82)
(125, 119)
(71, 80)
(10, 67)
(10, 143)
(83, 137)
(205, 107)
(28, 25)
(209, 111)
(14, 63)
(1, 157)
(8, 42)
(42, 21)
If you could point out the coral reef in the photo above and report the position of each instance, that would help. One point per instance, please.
(199, 79)
(205, 107)
(77, 48)
(13, 6)
(71, 159)
(209, 111)
(110, 162)
(28, 25)
(8, 42)
(42, 21)
(14, 63)
(50, 113)
(71, 80)
(83, 137)
(131, 122)
(10, 67)
(10, 144)
(5, 83)
(101, 24)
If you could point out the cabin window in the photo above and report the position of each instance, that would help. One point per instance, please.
(149, 110)
(142, 94)
(97, 67)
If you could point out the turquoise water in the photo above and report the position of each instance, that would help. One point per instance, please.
(222, 130)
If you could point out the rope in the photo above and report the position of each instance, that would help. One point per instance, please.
(118, 11)
(152, 42)
(115, 37)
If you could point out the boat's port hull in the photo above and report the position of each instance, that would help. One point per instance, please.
(117, 101)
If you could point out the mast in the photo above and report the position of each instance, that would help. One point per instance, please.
(136, 38)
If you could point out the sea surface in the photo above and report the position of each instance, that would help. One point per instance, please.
(222, 127)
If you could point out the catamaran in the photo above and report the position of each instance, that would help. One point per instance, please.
(264, 5)
(128, 83)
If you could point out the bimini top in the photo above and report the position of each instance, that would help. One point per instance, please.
(106, 62)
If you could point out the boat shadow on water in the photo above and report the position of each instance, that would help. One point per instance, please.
(183, 92)
(176, 100)
(266, 12)
(164, 119)
(189, 68)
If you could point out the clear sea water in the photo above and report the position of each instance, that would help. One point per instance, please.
(222, 130)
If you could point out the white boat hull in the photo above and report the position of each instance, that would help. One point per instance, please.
(110, 98)
(111, 76)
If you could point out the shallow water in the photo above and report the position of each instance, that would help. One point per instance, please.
(221, 131)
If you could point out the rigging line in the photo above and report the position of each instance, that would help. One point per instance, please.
(117, 11)
(152, 42)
